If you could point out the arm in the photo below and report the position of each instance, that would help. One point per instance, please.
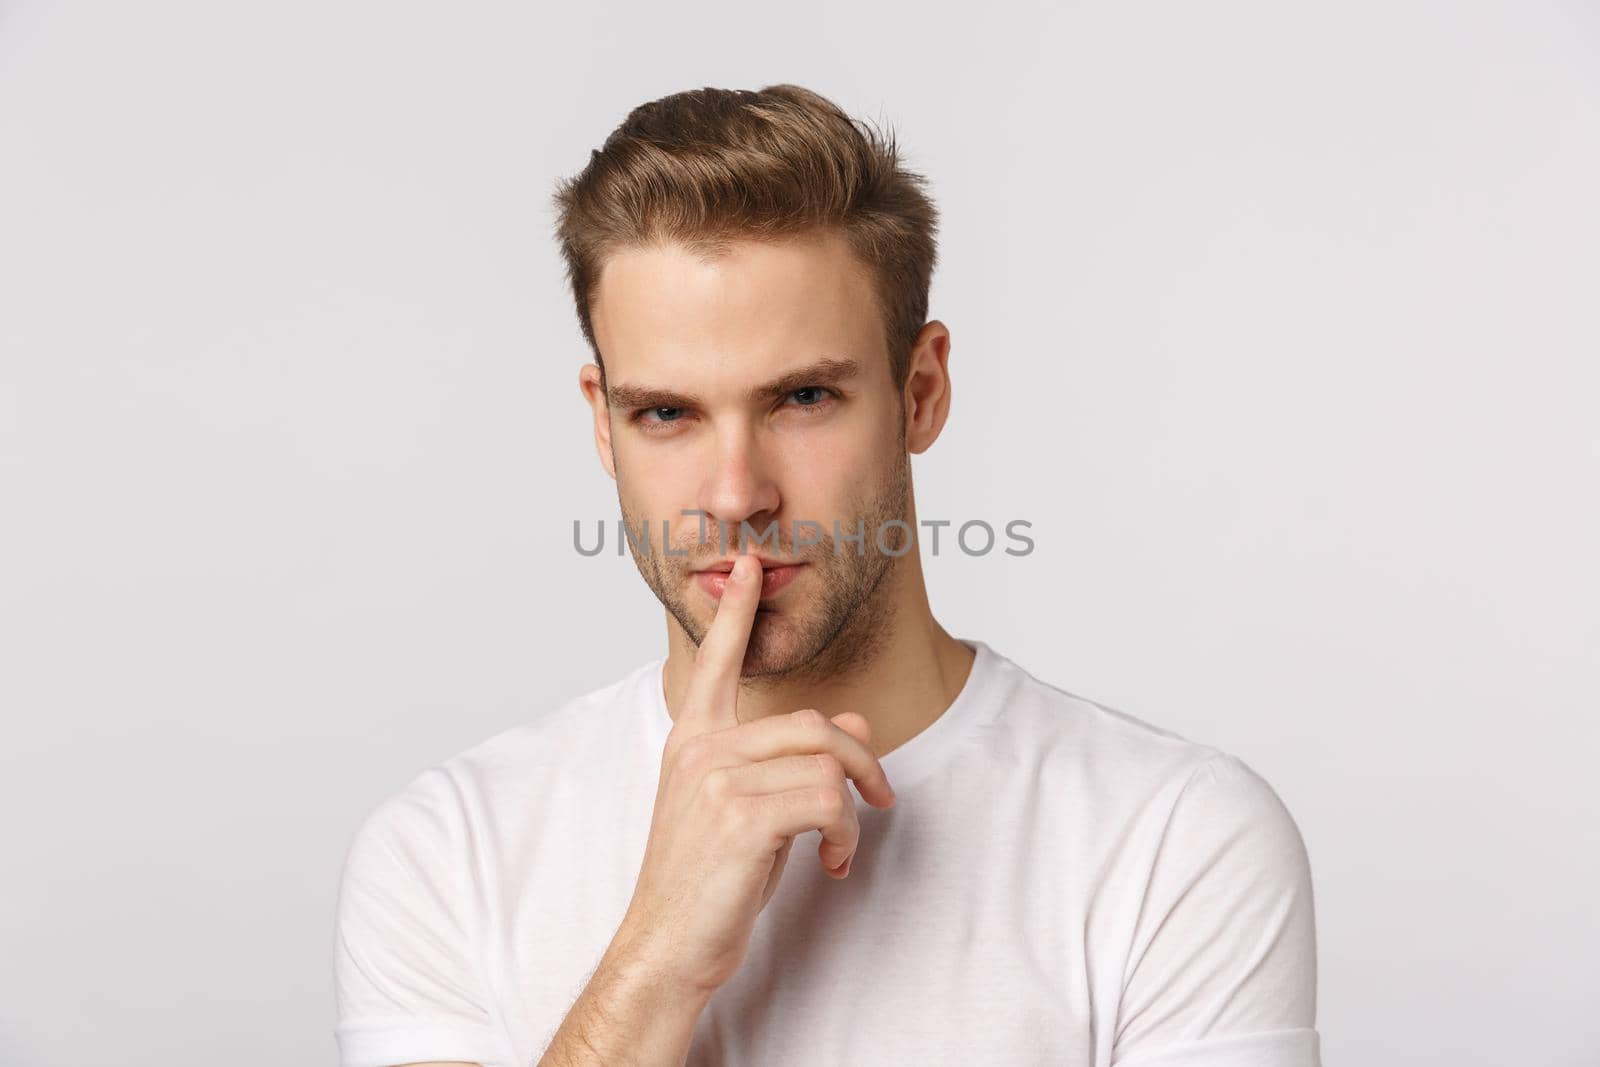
(731, 797)
(623, 1015)
(1222, 969)
(730, 800)
(629, 1013)
(406, 965)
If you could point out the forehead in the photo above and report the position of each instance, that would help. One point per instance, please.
(662, 312)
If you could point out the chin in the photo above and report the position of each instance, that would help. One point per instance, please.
(774, 645)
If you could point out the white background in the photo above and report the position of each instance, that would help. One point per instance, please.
(1280, 323)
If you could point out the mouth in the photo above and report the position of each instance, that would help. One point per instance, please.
(774, 577)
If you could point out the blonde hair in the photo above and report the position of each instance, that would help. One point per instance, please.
(706, 166)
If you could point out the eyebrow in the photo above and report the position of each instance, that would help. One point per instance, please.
(830, 370)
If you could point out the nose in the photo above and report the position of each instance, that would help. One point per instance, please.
(738, 488)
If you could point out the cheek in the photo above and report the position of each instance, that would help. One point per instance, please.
(658, 485)
(827, 482)
(651, 485)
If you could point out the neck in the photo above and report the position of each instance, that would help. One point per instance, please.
(901, 677)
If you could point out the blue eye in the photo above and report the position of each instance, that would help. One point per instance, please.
(658, 419)
(662, 421)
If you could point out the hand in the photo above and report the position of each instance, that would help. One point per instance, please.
(731, 798)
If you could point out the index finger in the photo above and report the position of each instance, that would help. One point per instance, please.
(713, 690)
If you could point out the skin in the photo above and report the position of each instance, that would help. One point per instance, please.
(849, 634)
(732, 797)
(779, 699)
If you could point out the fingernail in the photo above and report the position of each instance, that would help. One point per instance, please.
(739, 567)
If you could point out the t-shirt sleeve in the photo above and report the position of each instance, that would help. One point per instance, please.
(1222, 970)
(407, 977)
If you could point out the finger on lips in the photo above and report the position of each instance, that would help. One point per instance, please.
(779, 752)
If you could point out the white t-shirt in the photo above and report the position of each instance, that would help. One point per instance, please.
(1057, 883)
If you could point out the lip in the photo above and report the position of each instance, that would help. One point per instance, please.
(774, 577)
(726, 565)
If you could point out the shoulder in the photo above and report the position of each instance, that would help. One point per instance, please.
(1201, 888)
(1103, 745)
(1136, 777)
(1223, 941)
(1227, 823)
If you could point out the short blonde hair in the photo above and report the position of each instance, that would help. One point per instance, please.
(705, 166)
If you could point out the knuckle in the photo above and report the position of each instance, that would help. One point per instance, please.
(717, 785)
(811, 720)
(810, 717)
(831, 802)
(829, 765)
(743, 819)
(694, 755)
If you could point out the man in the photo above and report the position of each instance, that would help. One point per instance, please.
(1026, 877)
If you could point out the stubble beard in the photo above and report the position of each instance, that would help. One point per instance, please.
(843, 621)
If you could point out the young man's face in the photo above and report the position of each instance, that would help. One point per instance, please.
(757, 390)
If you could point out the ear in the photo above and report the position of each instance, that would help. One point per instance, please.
(927, 390)
(594, 391)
